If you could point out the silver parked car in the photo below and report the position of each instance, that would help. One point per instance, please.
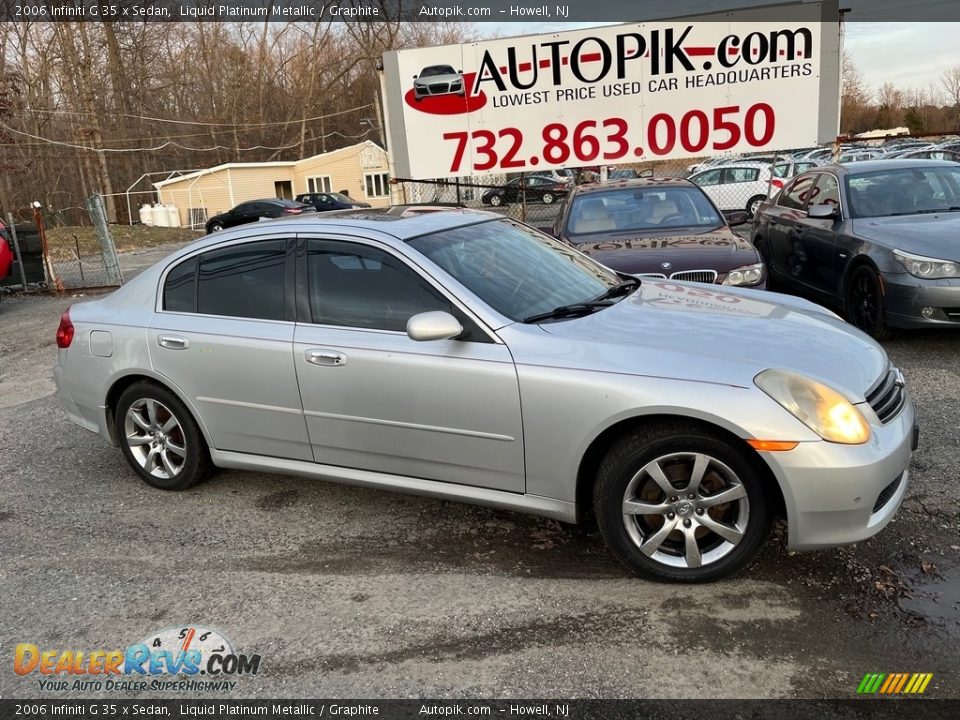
(466, 356)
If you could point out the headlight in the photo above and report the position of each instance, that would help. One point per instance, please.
(928, 268)
(820, 408)
(746, 275)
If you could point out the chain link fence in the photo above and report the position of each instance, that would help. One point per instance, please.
(732, 182)
(78, 258)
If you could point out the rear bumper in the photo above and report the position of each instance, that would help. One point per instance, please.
(92, 419)
(840, 494)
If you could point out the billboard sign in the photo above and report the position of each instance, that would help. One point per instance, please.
(617, 94)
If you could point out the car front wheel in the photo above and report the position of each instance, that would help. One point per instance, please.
(159, 437)
(496, 200)
(548, 198)
(215, 227)
(864, 303)
(675, 502)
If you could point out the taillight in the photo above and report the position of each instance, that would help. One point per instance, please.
(778, 184)
(65, 331)
(293, 211)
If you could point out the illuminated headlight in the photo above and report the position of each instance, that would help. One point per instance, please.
(820, 408)
(746, 275)
(928, 268)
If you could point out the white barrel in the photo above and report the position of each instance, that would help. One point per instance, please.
(160, 216)
(173, 215)
(146, 215)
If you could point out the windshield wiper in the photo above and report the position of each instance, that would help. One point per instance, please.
(624, 288)
(939, 210)
(585, 308)
(568, 311)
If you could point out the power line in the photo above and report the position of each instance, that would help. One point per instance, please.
(172, 143)
(205, 124)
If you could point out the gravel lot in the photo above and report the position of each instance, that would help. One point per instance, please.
(347, 592)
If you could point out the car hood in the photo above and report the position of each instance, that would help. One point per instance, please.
(693, 332)
(718, 249)
(934, 235)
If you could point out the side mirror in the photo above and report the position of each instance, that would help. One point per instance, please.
(822, 212)
(435, 325)
(737, 217)
(415, 77)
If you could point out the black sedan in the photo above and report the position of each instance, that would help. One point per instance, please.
(535, 187)
(877, 240)
(663, 228)
(253, 210)
(322, 202)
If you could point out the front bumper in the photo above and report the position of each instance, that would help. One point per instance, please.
(905, 296)
(840, 494)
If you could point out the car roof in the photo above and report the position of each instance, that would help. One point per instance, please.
(866, 166)
(631, 183)
(404, 226)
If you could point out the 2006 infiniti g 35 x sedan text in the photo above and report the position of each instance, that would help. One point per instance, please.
(466, 356)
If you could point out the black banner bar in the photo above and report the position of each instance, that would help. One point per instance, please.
(482, 11)
(107, 709)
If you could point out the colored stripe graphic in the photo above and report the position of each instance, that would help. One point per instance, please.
(894, 683)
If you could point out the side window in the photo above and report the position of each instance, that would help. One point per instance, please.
(711, 177)
(740, 175)
(357, 286)
(180, 288)
(827, 191)
(797, 193)
(243, 281)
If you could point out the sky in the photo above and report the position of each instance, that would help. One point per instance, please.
(907, 54)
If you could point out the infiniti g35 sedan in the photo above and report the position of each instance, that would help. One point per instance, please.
(466, 356)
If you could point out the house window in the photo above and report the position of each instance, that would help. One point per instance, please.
(376, 184)
(319, 184)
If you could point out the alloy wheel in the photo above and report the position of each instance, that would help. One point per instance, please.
(155, 438)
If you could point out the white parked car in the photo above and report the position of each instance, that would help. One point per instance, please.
(742, 186)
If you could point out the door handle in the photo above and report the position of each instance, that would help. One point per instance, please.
(172, 342)
(326, 357)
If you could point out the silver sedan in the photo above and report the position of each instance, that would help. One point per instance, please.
(466, 356)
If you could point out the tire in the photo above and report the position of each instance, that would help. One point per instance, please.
(159, 437)
(548, 198)
(753, 204)
(496, 200)
(863, 303)
(725, 536)
(215, 227)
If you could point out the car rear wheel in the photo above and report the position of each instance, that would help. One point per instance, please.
(863, 303)
(496, 200)
(159, 437)
(548, 198)
(675, 502)
(754, 204)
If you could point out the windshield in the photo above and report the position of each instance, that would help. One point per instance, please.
(435, 70)
(640, 209)
(903, 191)
(514, 269)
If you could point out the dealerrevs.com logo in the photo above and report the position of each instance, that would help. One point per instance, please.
(173, 659)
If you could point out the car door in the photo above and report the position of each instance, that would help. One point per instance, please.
(738, 185)
(816, 238)
(511, 190)
(245, 213)
(374, 399)
(778, 246)
(223, 334)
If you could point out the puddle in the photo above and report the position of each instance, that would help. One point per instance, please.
(935, 596)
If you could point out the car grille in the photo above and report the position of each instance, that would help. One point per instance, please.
(701, 276)
(888, 397)
(886, 494)
(439, 87)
